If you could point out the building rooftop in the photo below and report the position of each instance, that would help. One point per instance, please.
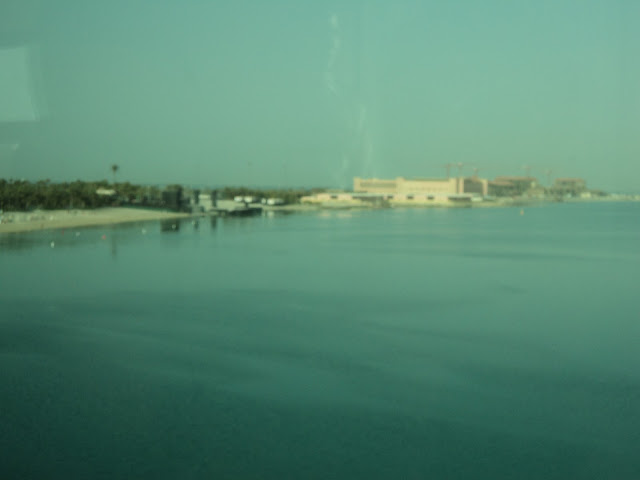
(501, 183)
(425, 179)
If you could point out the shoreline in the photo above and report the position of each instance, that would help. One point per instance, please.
(21, 222)
(38, 220)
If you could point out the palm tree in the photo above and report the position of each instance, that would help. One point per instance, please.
(114, 169)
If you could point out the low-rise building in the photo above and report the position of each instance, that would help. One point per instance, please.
(172, 199)
(386, 199)
(206, 201)
(476, 186)
(418, 186)
(408, 186)
(511, 186)
(501, 188)
(569, 186)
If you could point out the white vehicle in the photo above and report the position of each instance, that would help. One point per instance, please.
(275, 201)
(239, 199)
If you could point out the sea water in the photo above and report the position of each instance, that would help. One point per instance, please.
(441, 343)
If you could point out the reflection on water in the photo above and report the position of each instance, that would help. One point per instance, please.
(113, 240)
(387, 344)
(114, 234)
(171, 225)
(20, 241)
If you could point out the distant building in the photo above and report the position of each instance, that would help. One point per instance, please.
(537, 192)
(477, 186)
(172, 199)
(206, 201)
(421, 186)
(391, 199)
(511, 186)
(501, 188)
(569, 186)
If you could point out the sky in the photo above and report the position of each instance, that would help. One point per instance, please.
(312, 93)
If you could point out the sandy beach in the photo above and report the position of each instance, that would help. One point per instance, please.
(14, 222)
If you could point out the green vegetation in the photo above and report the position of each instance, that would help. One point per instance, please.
(21, 195)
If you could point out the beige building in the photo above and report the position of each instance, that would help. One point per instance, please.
(382, 199)
(425, 186)
(405, 192)
(406, 186)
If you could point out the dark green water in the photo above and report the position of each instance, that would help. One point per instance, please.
(377, 344)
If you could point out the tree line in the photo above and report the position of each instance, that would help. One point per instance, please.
(21, 195)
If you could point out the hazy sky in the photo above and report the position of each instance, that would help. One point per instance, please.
(315, 92)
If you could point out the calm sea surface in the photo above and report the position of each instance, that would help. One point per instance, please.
(377, 344)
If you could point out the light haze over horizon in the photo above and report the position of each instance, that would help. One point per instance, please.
(290, 93)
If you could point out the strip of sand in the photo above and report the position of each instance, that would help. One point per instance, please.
(14, 222)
